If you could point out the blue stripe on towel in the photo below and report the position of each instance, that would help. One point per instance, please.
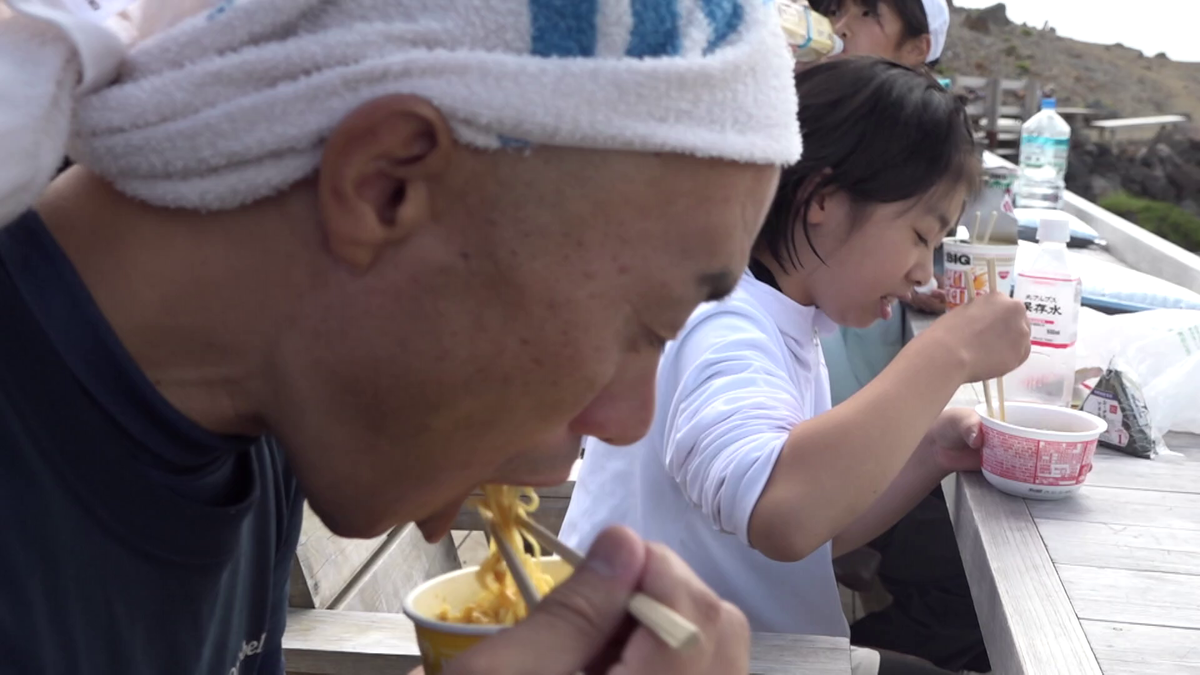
(655, 28)
(510, 143)
(725, 17)
(563, 27)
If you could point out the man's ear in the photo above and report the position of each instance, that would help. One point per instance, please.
(377, 168)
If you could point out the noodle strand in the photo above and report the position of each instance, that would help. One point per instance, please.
(499, 600)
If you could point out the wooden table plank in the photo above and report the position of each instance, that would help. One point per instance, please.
(328, 642)
(1122, 649)
(790, 654)
(1116, 506)
(1148, 598)
(1164, 474)
(1027, 619)
(1126, 547)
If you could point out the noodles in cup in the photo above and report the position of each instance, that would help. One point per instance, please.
(499, 600)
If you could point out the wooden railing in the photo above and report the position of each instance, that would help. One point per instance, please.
(991, 108)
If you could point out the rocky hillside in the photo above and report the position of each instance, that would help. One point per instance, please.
(1110, 77)
(1155, 183)
(1167, 169)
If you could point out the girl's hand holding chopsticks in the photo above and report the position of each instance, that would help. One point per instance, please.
(990, 335)
(585, 624)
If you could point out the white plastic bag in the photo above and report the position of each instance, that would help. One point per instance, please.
(1103, 336)
(1167, 366)
(1152, 380)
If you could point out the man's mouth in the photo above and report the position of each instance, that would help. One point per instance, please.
(439, 524)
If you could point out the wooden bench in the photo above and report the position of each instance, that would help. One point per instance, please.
(346, 600)
(364, 643)
(1109, 128)
(331, 572)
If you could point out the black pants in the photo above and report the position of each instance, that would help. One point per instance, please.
(932, 615)
(892, 663)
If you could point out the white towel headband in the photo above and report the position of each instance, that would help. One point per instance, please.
(233, 104)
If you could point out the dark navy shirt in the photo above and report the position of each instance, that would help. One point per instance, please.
(132, 541)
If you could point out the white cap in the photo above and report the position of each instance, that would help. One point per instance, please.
(937, 13)
(1054, 230)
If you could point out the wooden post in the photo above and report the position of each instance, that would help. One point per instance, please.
(1033, 97)
(993, 112)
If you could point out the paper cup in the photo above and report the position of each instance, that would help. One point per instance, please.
(966, 269)
(441, 641)
(1041, 452)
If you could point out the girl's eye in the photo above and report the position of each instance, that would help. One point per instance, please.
(921, 238)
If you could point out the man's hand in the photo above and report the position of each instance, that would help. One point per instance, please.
(954, 441)
(583, 625)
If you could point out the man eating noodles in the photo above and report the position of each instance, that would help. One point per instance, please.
(372, 254)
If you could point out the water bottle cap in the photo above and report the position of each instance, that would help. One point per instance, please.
(838, 46)
(1054, 230)
(1049, 104)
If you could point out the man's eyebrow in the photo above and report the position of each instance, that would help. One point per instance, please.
(716, 285)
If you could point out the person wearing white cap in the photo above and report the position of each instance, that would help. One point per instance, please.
(912, 32)
(372, 253)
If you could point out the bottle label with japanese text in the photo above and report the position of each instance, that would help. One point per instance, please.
(1052, 305)
(1039, 152)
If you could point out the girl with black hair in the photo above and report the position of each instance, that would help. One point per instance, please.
(746, 471)
(931, 614)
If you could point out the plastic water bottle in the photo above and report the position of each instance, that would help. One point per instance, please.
(1045, 147)
(810, 35)
(1053, 295)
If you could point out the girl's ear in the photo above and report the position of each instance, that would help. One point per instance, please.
(818, 205)
(822, 199)
(818, 208)
(915, 51)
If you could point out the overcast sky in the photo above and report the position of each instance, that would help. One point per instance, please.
(1152, 26)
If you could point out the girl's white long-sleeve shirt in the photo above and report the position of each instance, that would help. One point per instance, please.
(731, 387)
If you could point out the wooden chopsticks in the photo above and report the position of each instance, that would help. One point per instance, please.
(993, 285)
(676, 631)
(515, 568)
